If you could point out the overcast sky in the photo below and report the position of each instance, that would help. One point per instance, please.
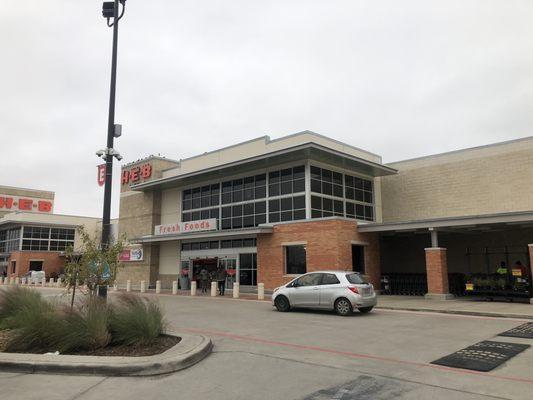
(398, 78)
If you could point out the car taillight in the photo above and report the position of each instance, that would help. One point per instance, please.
(353, 289)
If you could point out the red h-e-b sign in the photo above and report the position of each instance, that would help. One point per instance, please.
(135, 174)
(101, 174)
(24, 204)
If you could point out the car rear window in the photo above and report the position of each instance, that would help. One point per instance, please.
(355, 278)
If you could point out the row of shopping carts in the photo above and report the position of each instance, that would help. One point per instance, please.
(416, 284)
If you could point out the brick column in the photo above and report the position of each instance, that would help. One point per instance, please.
(437, 274)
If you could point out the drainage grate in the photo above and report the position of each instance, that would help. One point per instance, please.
(482, 356)
(521, 331)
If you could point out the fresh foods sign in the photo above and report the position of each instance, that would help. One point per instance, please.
(187, 227)
(16, 203)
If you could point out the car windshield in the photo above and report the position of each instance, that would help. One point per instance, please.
(355, 278)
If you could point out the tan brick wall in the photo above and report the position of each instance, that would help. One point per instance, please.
(485, 180)
(166, 280)
(329, 247)
(52, 262)
(437, 271)
(139, 213)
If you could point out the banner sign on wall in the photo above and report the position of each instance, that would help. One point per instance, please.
(187, 227)
(133, 254)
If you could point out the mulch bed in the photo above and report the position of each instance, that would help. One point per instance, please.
(162, 344)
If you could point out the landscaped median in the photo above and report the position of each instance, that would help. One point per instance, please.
(190, 350)
(126, 336)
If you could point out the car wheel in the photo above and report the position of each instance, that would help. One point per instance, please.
(343, 307)
(282, 304)
(365, 310)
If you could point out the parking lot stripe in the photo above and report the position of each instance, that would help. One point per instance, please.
(354, 355)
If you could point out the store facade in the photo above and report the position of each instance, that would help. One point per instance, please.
(268, 210)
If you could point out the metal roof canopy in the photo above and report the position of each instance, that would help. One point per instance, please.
(302, 152)
(476, 223)
(203, 235)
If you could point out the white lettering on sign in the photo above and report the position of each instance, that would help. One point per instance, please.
(186, 227)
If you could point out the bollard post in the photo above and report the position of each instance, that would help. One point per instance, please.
(213, 289)
(128, 286)
(17, 281)
(58, 283)
(143, 286)
(261, 291)
(235, 290)
(1, 280)
(51, 282)
(158, 287)
(193, 288)
(115, 287)
(23, 281)
(12, 280)
(43, 282)
(174, 287)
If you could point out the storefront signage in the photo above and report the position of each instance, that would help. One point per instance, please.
(16, 203)
(101, 175)
(136, 174)
(186, 227)
(133, 254)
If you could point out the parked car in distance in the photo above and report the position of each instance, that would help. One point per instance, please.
(341, 291)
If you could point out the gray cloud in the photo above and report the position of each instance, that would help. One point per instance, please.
(401, 79)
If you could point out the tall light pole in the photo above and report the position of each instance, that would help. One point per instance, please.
(110, 11)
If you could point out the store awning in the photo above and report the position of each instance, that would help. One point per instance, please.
(475, 222)
(208, 235)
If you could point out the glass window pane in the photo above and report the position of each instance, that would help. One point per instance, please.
(326, 175)
(327, 188)
(337, 178)
(316, 186)
(248, 209)
(248, 194)
(260, 207)
(286, 174)
(286, 204)
(248, 221)
(273, 177)
(260, 180)
(299, 214)
(298, 186)
(286, 187)
(274, 205)
(286, 215)
(260, 192)
(237, 184)
(237, 196)
(236, 211)
(295, 260)
(327, 204)
(316, 202)
(236, 222)
(273, 190)
(337, 191)
(215, 200)
(273, 217)
(298, 172)
(260, 219)
(338, 206)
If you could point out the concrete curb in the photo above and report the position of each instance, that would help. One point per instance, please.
(189, 351)
(457, 312)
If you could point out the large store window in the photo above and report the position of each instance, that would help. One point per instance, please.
(295, 259)
(242, 203)
(286, 209)
(38, 238)
(9, 240)
(248, 269)
(336, 194)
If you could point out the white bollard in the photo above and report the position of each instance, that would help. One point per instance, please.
(235, 290)
(213, 289)
(23, 282)
(193, 288)
(158, 287)
(43, 282)
(17, 281)
(1, 280)
(260, 291)
(58, 283)
(174, 287)
(115, 287)
(128, 286)
(51, 282)
(143, 286)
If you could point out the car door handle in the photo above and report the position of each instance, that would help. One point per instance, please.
(315, 288)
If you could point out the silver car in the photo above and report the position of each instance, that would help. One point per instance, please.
(342, 291)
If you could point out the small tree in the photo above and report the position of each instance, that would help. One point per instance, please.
(92, 265)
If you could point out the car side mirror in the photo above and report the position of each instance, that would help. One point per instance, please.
(295, 284)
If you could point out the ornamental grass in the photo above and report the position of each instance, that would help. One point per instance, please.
(37, 325)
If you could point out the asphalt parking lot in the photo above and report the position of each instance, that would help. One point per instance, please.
(262, 354)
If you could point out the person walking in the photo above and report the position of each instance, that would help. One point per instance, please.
(221, 279)
(204, 277)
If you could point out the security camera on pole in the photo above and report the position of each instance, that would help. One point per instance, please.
(110, 11)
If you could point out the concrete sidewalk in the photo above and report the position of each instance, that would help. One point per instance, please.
(464, 306)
